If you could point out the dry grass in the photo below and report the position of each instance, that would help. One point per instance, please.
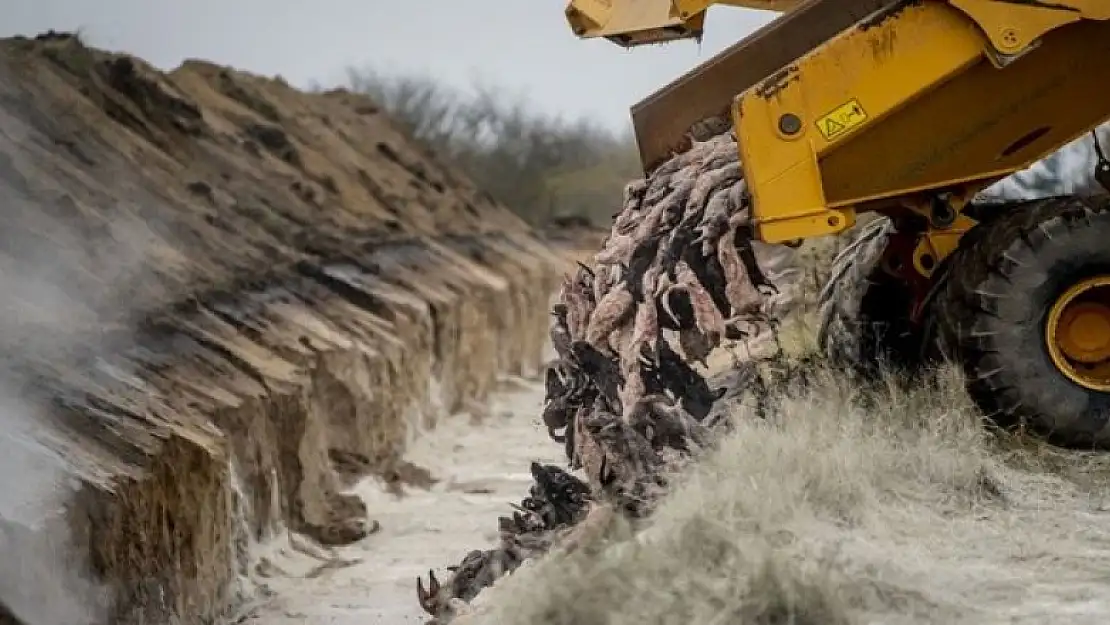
(890, 505)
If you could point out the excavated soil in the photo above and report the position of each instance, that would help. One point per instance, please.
(224, 299)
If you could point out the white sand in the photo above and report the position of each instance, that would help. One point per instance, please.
(481, 469)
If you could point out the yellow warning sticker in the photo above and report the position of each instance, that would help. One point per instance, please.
(844, 118)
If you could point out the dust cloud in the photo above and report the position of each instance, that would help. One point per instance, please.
(47, 322)
(37, 579)
(37, 583)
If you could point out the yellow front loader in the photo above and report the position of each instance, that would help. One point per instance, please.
(909, 109)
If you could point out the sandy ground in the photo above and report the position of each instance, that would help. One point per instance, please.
(482, 466)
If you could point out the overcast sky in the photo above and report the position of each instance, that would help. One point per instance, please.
(524, 45)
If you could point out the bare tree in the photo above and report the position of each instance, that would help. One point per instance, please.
(528, 160)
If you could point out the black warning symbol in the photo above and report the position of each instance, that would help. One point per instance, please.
(833, 127)
(844, 118)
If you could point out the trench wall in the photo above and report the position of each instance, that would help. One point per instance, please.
(252, 294)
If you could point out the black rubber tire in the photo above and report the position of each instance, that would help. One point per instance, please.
(863, 312)
(991, 307)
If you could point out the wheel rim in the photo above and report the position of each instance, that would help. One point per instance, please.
(1077, 333)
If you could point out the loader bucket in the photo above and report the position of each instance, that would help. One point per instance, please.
(633, 23)
(664, 120)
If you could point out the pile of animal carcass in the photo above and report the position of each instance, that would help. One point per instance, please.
(678, 274)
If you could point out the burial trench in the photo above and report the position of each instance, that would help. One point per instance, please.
(224, 299)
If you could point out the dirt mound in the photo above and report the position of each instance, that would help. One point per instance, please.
(214, 286)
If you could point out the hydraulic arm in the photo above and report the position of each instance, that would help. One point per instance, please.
(846, 105)
(908, 109)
